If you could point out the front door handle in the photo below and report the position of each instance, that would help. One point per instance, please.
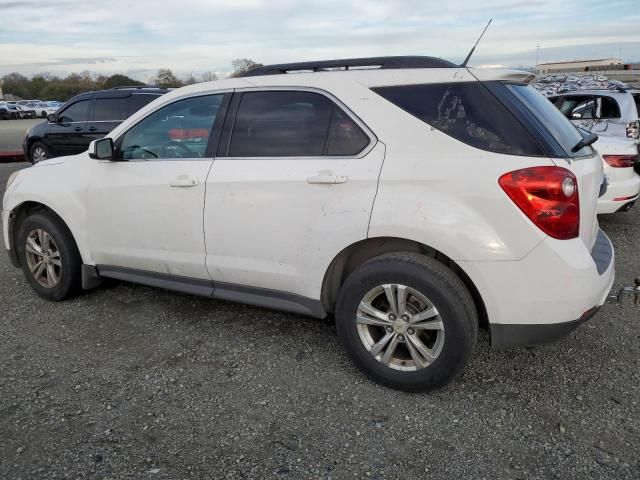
(93, 129)
(78, 129)
(183, 182)
(325, 179)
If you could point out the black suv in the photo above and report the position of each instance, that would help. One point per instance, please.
(84, 118)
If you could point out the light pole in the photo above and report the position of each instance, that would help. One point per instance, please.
(537, 55)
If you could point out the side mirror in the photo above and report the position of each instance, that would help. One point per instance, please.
(52, 117)
(576, 116)
(101, 149)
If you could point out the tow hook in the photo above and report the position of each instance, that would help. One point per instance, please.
(635, 291)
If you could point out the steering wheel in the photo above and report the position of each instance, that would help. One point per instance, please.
(173, 149)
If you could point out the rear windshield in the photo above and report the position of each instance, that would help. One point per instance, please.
(468, 112)
(562, 130)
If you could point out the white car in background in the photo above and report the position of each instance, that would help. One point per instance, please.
(42, 109)
(619, 156)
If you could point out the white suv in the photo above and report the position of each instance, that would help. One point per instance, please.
(415, 200)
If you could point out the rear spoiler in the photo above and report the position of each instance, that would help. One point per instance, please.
(493, 74)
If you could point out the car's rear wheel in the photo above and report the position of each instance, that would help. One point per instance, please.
(407, 321)
(38, 152)
(49, 256)
(44, 114)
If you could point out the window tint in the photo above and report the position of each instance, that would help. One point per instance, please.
(466, 111)
(137, 101)
(77, 112)
(109, 109)
(178, 130)
(281, 124)
(346, 137)
(563, 131)
(636, 97)
(609, 108)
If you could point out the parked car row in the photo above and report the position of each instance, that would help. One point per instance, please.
(15, 110)
(416, 201)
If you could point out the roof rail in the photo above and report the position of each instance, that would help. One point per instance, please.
(124, 87)
(352, 64)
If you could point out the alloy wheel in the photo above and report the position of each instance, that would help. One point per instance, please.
(43, 258)
(400, 327)
(39, 154)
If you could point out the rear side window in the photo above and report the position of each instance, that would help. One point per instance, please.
(78, 112)
(275, 124)
(109, 110)
(636, 97)
(293, 124)
(137, 101)
(467, 112)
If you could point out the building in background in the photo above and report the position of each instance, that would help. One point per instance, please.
(613, 68)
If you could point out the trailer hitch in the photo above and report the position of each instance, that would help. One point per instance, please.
(635, 291)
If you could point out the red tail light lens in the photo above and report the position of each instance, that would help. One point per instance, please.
(548, 196)
(620, 161)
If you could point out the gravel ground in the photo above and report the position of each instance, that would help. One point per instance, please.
(134, 382)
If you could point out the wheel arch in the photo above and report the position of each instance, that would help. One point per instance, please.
(358, 253)
(19, 213)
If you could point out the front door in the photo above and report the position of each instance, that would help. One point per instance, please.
(292, 185)
(146, 209)
(67, 135)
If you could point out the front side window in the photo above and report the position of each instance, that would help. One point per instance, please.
(467, 112)
(109, 110)
(77, 112)
(178, 130)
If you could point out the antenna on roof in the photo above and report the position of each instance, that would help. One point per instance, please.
(466, 60)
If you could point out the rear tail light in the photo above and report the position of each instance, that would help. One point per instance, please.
(548, 196)
(633, 130)
(621, 161)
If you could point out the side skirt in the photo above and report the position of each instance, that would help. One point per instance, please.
(260, 297)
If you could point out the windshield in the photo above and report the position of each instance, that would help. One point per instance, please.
(564, 132)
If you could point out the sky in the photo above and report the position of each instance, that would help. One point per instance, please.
(137, 37)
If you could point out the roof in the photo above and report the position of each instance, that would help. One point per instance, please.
(352, 64)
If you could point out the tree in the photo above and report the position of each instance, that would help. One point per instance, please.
(243, 65)
(166, 78)
(120, 81)
(16, 84)
(208, 76)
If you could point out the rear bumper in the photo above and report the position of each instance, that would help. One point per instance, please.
(619, 193)
(509, 336)
(547, 294)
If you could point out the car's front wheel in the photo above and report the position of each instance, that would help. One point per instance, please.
(407, 321)
(38, 152)
(49, 256)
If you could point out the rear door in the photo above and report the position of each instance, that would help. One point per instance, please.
(107, 113)
(292, 185)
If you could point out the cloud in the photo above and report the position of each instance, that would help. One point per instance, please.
(196, 35)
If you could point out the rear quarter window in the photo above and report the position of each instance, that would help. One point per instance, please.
(466, 111)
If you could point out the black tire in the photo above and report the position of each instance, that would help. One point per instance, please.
(70, 280)
(44, 115)
(442, 287)
(32, 151)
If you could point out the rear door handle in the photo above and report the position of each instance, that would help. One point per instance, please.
(183, 182)
(93, 129)
(327, 179)
(78, 129)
